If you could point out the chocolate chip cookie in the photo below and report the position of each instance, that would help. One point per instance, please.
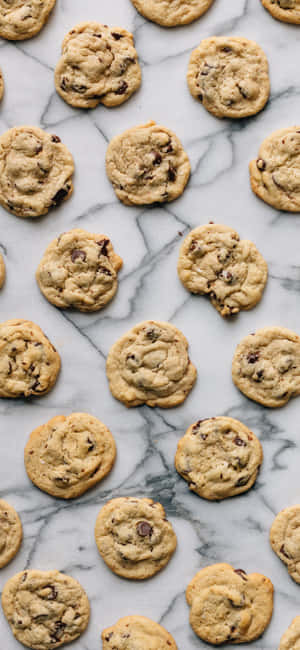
(275, 174)
(45, 609)
(227, 605)
(291, 638)
(286, 10)
(266, 366)
(29, 363)
(35, 171)
(229, 76)
(134, 537)
(219, 458)
(284, 538)
(137, 633)
(150, 365)
(2, 271)
(10, 533)
(80, 270)
(213, 261)
(147, 164)
(99, 64)
(22, 19)
(171, 13)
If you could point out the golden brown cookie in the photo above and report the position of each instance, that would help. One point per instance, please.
(22, 19)
(10, 533)
(285, 539)
(286, 10)
(137, 633)
(170, 13)
(291, 638)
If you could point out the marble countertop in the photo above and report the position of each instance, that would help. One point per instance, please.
(59, 534)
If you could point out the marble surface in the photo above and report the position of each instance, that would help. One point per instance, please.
(58, 534)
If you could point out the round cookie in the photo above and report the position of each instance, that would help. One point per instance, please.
(147, 164)
(286, 10)
(35, 171)
(219, 457)
(137, 633)
(134, 537)
(266, 366)
(68, 455)
(10, 533)
(150, 365)
(2, 271)
(230, 76)
(214, 261)
(29, 363)
(170, 13)
(22, 19)
(98, 65)
(227, 605)
(275, 174)
(291, 638)
(79, 269)
(285, 539)
(45, 609)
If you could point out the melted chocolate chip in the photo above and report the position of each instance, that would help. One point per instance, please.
(226, 48)
(157, 158)
(104, 270)
(252, 357)
(241, 573)
(55, 138)
(103, 244)
(239, 442)
(59, 630)
(122, 88)
(78, 254)
(243, 480)
(261, 164)
(116, 35)
(172, 174)
(144, 529)
(152, 334)
(53, 593)
(61, 195)
(108, 636)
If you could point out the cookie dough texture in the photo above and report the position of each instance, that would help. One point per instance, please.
(137, 633)
(99, 64)
(79, 269)
(10, 533)
(2, 271)
(35, 171)
(29, 363)
(291, 638)
(275, 174)
(266, 366)
(147, 164)
(227, 605)
(45, 609)
(69, 455)
(230, 76)
(286, 10)
(134, 537)
(214, 261)
(150, 365)
(170, 13)
(22, 19)
(219, 457)
(284, 538)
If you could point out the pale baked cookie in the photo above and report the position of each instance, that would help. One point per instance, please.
(2, 271)
(68, 455)
(286, 10)
(35, 171)
(171, 13)
(22, 19)
(230, 76)
(79, 269)
(227, 605)
(275, 174)
(266, 366)
(219, 457)
(45, 609)
(285, 539)
(99, 64)
(29, 363)
(291, 638)
(10, 533)
(137, 633)
(150, 365)
(134, 537)
(214, 261)
(147, 164)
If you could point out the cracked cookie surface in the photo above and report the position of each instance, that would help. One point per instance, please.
(285, 539)
(170, 13)
(80, 270)
(98, 65)
(22, 19)
(29, 363)
(45, 609)
(35, 171)
(227, 605)
(219, 457)
(286, 10)
(68, 455)
(291, 638)
(150, 365)
(214, 261)
(147, 164)
(134, 537)
(229, 76)
(266, 366)
(10, 533)
(275, 174)
(137, 633)
(2, 271)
